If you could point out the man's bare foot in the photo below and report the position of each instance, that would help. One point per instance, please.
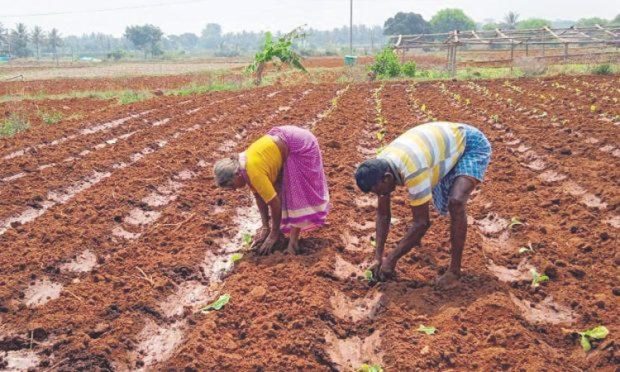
(448, 280)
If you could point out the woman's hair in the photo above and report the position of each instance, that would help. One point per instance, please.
(225, 171)
(370, 173)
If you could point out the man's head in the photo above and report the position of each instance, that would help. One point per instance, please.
(375, 176)
(227, 174)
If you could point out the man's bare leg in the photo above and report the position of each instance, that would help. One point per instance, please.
(459, 194)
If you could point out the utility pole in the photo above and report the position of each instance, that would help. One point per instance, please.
(351, 27)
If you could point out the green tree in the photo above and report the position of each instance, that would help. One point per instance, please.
(406, 24)
(19, 41)
(37, 38)
(510, 20)
(281, 49)
(447, 20)
(615, 21)
(211, 35)
(491, 26)
(533, 23)
(54, 41)
(588, 22)
(145, 38)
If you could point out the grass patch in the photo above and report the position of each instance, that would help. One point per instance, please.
(132, 96)
(15, 123)
(50, 117)
(202, 88)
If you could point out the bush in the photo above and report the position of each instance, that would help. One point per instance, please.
(386, 64)
(604, 69)
(408, 69)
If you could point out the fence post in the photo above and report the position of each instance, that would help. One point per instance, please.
(527, 50)
(454, 60)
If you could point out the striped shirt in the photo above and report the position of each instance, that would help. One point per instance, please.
(423, 155)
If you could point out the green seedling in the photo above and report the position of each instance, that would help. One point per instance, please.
(217, 304)
(593, 108)
(369, 276)
(236, 257)
(381, 135)
(537, 278)
(373, 242)
(423, 108)
(495, 118)
(596, 333)
(247, 239)
(370, 368)
(514, 222)
(528, 249)
(428, 330)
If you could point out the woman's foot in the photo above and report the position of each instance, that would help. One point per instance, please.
(448, 280)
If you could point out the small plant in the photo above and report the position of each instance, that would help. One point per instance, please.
(596, 333)
(370, 368)
(593, 108)
(386, 64)
(217, 304)
(495, 118)
(14, 124)
(236, 257)
(537, 278)
(604, 69)
(514, 222)
(51, 118)
(247, 239)
(428, 330)
(528, 249)
(368, 275)
(408, 69)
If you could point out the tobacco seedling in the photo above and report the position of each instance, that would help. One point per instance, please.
(514, 222)
(495, 118)
(236, 257)
(370, 368)
(593, 108)
(217, 304)
(368, 275)
(428, 330)
(537, 278)
(596, 333)
(528, 249)
(247, 239)
(381, 135)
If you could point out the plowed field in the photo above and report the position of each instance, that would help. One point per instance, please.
(113, 236)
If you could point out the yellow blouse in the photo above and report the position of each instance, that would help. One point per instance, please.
(263, 164)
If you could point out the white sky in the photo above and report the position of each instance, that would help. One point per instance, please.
(178, 16)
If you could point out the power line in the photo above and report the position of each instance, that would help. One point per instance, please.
(131, 7)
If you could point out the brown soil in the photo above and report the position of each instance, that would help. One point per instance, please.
(107, 258)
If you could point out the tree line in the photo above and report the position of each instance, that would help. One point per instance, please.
(451, 19)
(150, 40)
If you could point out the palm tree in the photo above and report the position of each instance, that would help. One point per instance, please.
(54, 41)
(37, 38)
(511, 20)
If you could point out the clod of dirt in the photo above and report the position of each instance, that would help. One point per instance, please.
(616, 291)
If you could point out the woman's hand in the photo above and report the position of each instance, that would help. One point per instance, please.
(270, 243)
(260, 236)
